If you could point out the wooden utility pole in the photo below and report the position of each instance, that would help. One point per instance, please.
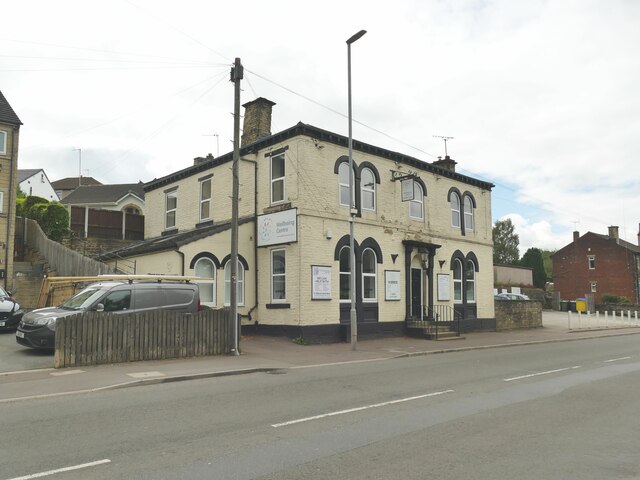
(236, 76)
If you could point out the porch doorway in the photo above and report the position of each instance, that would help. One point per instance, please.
(417, 293)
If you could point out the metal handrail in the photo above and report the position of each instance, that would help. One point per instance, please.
(438, 314)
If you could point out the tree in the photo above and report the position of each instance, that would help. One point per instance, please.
(548, 264)
(505, 243)
(532, 258)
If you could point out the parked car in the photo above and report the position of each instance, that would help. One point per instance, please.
(38, 327)
(510, 296)
(10, 311)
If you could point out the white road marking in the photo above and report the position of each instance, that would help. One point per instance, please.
(146, 374)
(61, 470)
(35, 370)
(541, 373)
(347, 362)
(357, 409)
(65, 372)
(616, 359)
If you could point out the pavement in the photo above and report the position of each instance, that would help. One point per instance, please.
(267, 354)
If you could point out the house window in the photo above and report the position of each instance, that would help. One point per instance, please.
(344, 180)
(278, 276)
(592, 262)
(205, 269)
(369, 276)
(345, 274)
(171, 205)
(470, 281)
(457, 281)
(455, 210)
(368, 187)
(277, 178)
(3, 142)
(594, 286)
(468, 214)
(416, 206)
(205, 199)
(239, 284)
(1, 202)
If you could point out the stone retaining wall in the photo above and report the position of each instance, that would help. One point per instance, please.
(515, 314)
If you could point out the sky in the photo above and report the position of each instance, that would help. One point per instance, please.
(540, 97)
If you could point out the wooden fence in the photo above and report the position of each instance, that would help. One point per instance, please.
(106, 223)
(92, 338)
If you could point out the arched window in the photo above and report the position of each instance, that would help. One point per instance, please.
(416, 206)
(468, 214)
(369, 276)
(205, 269)
(345, 274)
(470, 281)
(239, 284)
(343, 179)
(455, 210)
(368, 189)
(457, 281)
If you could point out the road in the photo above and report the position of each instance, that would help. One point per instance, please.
(15, 357)
(561, 410)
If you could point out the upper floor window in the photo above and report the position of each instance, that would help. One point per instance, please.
(206, 269)
(468, 214)
(416, 206)
(344, 180)
(455, 210)
(239, 284)
(205, 199)
(278, 276)
(171, 206)
(277, 178)
(368, 188)
(369, 276)
(3, 142)
(592, 262)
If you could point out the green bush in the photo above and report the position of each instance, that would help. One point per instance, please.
(32, 200)
(52, 217)
(615, 299)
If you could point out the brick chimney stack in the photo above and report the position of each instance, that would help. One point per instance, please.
(613, 232)
(576, 235)
(447, 163)
(257, 120)
(199, 160)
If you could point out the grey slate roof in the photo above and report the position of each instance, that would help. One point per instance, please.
(169, 242)
(88, 194)
(7, 115)
(23, 174)
(70, 183)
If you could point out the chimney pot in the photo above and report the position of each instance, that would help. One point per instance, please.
(613, 232)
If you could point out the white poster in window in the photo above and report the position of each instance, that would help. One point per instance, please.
(320, 282)
(277, 228)
(444, 287)
(391, 285)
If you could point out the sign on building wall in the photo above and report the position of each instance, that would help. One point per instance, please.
(444, 287)
(407, 189)
(392, 285)
(279, 227)
(320, 282)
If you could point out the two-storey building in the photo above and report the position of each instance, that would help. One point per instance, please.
(427, 256)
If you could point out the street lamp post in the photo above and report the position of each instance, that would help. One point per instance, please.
(352, 209)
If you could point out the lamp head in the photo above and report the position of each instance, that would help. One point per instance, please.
(356, 37)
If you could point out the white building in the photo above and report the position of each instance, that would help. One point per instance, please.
(35, 182)
(426, 258)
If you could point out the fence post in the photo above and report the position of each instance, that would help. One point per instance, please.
(569, 319)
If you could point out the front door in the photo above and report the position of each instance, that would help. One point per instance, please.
(416, 293)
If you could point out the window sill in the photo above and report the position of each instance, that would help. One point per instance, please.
(169, 231)
(274, 306)
(204, 223)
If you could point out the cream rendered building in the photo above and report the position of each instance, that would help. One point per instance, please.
(417, 260)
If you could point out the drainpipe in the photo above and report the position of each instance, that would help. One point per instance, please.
(12, 196)
(255, 232)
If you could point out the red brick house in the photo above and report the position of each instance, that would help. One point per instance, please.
(597, 264)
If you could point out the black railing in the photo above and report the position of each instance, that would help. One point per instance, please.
(444, 316)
